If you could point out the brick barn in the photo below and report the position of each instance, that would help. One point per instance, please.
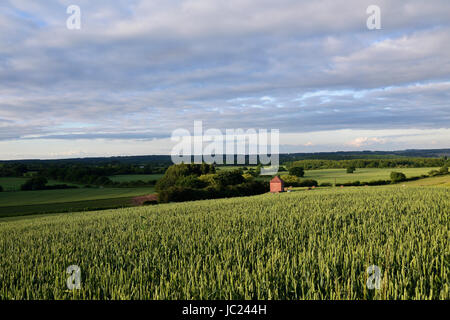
(276, 185)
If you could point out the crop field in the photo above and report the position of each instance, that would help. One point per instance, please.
(46, 201)
(361, 174)
(313, 244)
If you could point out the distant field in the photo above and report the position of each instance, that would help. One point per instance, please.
(13, 184)
(363, 174)
(68, 195)
(45, 201)
(135, 177)
(86, 205)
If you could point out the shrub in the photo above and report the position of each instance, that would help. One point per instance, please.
(247, 176)
(351, 184)
(397, 177)
(191, 182)
(177, 194)
(433, 173)
(377, 182)
(297, 171)
(325, 184)
(208, 179)
(308, 183)
(176, 171)
(226, 178)
(60, 187)
(443, 170)
(351, 169)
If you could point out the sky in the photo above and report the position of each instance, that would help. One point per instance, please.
(138, 70)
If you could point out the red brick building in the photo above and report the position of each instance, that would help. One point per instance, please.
(276, 185)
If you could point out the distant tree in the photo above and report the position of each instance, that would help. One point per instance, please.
(191, 181)
(351, 169)
(297, 171)
(174, 173)
(308, 183)
(290, 180)
(226, 178)
(35, 183)
(247, 176)
(397, 177)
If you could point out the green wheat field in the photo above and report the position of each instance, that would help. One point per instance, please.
(310, 244)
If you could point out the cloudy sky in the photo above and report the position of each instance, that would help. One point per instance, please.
(137, 70)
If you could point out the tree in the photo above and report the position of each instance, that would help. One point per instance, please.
(226, 178)
(397, 177)
(35, 183)
(443, 170)
(1, 189)
(297, 171)
(351, 169)
(290, 180)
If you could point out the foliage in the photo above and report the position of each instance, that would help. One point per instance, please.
(35, 183)
(296, 171)
(397, 177)
(293, 181)
(368, 163)
(227, 178)
(308, 183)
(179, 193)
(290, 180)
(351, 169)
(325, 184)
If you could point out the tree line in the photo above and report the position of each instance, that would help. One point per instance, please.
(369, 163)
(185, 182)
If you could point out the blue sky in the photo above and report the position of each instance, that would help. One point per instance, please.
(138, 70)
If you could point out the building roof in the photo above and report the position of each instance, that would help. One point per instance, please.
(277, 179)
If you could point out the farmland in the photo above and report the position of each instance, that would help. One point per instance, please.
(313, 244)
(45, 201)
(13, 183)
(82, 199)
(341, 176)
(361, 174)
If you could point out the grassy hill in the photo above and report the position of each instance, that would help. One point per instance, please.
(313, 244)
